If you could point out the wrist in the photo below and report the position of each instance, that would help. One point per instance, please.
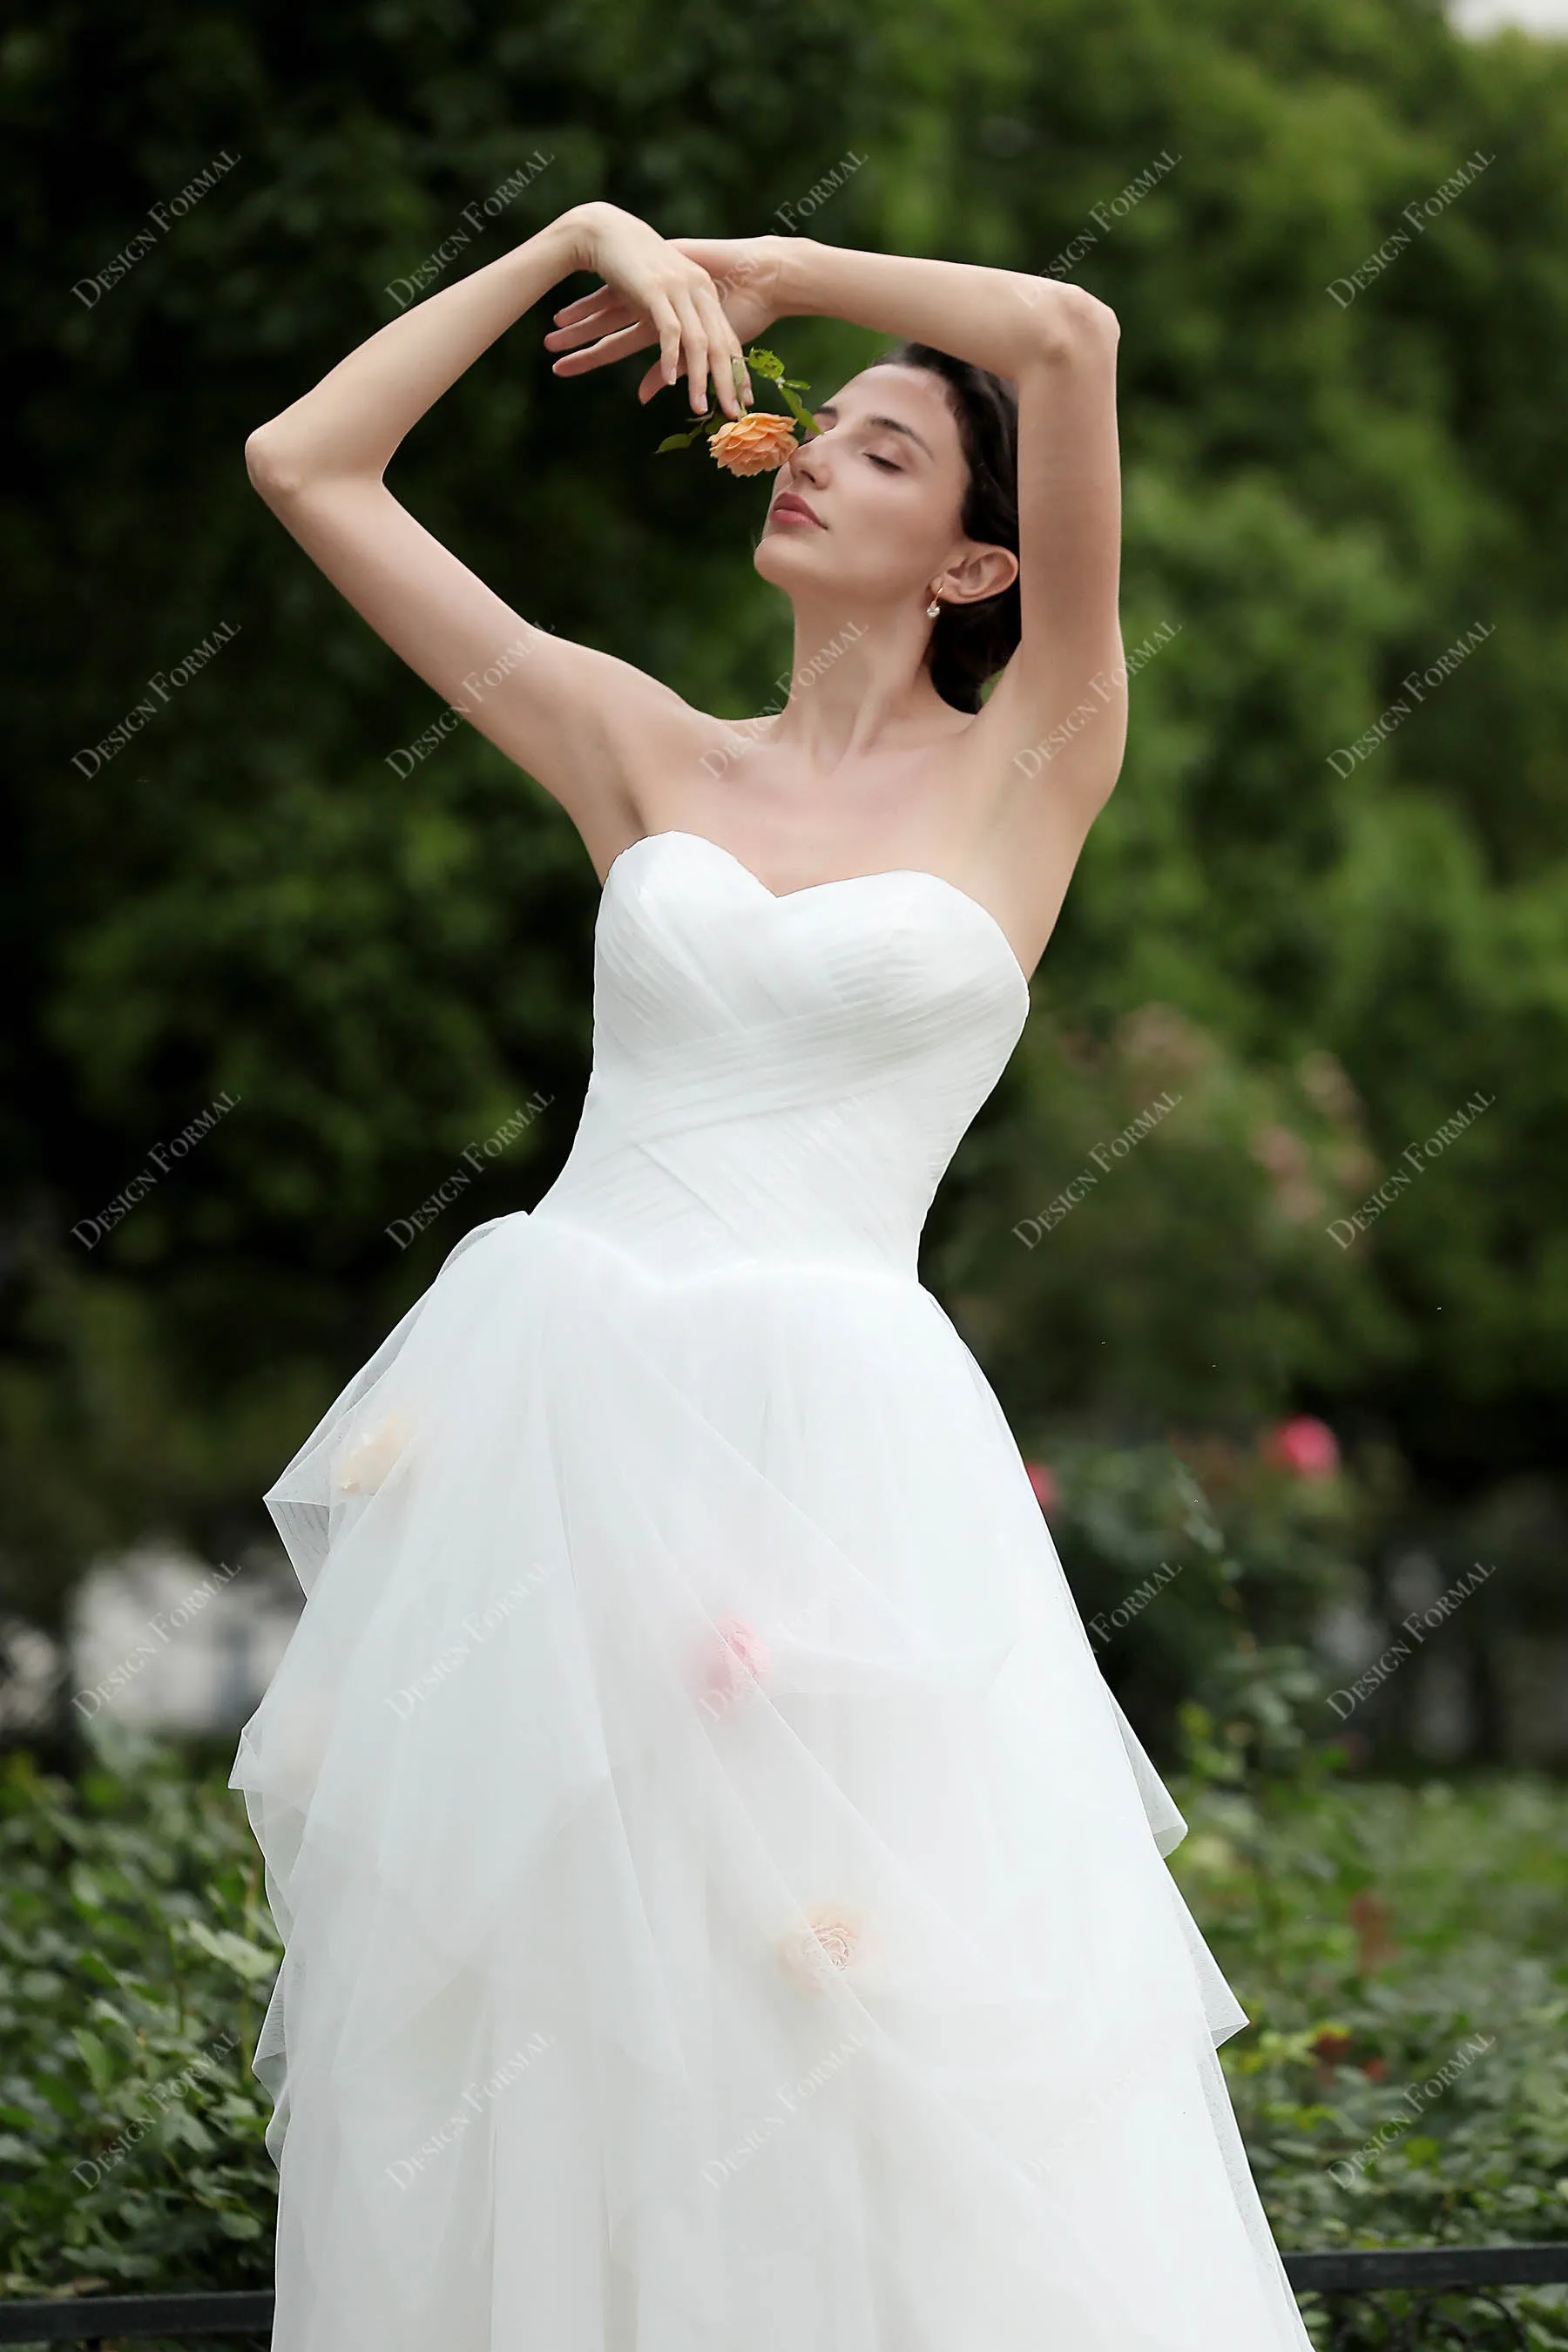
(573, 234)
(792, 294)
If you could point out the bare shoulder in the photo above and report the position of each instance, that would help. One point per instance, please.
(602, 733)
(624, 753)
(675, 760)
(628, 755)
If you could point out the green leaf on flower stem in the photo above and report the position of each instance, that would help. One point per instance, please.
(705, 424)
(799, 413)
(767, 363)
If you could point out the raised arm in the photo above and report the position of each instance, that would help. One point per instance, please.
(576, 719)
(1057, 344)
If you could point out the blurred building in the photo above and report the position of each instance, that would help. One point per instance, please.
(160, 1640)
(1482, 17)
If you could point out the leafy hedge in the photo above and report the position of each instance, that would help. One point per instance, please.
(136, 1955)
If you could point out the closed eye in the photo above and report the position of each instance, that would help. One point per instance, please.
(886, 462)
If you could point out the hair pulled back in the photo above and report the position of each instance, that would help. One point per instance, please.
(970, 643)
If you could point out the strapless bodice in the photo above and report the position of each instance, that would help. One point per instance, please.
(780, 1080)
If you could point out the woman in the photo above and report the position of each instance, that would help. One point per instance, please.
(725, 1907)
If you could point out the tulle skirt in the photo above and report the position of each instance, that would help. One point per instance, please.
(724, 1905)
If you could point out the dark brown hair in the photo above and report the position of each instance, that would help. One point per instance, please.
(970, 643)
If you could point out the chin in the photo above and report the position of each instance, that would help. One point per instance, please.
(792, 557)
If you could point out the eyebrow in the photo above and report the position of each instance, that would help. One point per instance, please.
(888, 424)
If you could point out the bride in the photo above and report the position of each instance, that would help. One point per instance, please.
(724, 1907)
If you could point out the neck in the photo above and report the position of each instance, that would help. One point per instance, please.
(859, 684)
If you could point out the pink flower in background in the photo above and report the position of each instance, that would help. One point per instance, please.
(1044, 1484)
(1307, 1448)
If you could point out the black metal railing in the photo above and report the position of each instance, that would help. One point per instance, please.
(1443, 2297)
(1418, 2298)
(244, 2319)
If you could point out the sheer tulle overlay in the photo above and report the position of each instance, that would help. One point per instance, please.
(725, 1907)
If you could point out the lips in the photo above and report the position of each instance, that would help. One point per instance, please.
(788, 505)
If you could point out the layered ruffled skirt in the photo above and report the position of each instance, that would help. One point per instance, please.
(724, 1905)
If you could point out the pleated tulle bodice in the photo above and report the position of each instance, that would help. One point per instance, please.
(781, 1080)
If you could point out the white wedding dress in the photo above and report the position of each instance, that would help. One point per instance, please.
(725, 1906)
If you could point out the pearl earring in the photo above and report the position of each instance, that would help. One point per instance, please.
(932, 609)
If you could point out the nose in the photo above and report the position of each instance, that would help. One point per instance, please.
(806, 460)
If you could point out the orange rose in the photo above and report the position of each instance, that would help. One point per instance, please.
(752, 444)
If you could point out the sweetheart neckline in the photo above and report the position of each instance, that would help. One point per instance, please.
(840, 882)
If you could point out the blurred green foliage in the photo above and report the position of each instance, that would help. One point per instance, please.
(379, 965)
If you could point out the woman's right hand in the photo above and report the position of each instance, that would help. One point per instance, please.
(653, 292)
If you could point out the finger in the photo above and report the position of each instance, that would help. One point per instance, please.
(730, 371)
(576, 308)
(587, 329)
(720, 344)
(606, 299)
(635, 338)
(694, 349)
(668, 326)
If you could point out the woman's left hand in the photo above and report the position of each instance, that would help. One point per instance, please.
(745, 271)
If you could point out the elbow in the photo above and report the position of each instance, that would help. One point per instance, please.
(283, 468)
(272, 473)
(280, 467)
(1078, 323)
